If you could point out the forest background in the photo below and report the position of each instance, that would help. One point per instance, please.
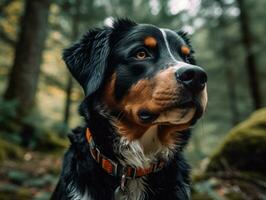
(39, 99)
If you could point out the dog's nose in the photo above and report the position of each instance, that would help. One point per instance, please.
(193, 77)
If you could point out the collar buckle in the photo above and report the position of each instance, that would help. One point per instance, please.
(123, 183)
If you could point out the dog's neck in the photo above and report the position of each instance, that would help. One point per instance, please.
(136, 153)
(140, 152)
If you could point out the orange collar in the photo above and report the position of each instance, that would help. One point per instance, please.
(115, 168)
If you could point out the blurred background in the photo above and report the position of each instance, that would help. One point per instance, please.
(39, 99)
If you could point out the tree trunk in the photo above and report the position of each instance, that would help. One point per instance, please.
(24, 74)
(251, 64)
(231, 86)
(230, 76)
(23, 78)
(75, 32)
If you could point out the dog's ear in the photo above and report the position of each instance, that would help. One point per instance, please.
(87, 59)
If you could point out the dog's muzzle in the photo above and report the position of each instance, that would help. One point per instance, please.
(193, 80)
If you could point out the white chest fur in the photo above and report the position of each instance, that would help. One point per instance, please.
(144, 151)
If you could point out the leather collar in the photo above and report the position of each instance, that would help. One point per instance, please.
(115, 168)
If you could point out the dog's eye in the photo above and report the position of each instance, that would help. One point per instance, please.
(140, 55)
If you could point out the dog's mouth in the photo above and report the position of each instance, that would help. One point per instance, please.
(184, 115)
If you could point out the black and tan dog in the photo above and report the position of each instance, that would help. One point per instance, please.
(143, 93)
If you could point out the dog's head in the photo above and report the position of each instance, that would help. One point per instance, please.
(143, 75)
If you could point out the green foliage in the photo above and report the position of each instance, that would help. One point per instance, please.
(46, 180)
(20, 184)
(17, 177)
(205, 188)
(8, 112)
(43, 196)
(200, 196)
(42, 138)
(14, 193)
(50, 141)
(9, 151)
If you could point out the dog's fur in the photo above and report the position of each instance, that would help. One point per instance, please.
(137, 110)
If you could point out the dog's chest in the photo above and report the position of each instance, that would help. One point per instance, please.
(135, 189)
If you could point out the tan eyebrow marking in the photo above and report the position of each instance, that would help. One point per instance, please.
(150, 41)
(185, 50)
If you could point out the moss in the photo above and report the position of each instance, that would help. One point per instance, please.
(9, 151)
(244, 148)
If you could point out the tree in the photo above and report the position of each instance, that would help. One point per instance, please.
(23, 78)
(230, 77)
(251, 64)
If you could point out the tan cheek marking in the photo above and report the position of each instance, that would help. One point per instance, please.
(138, 97)
(138, 94)
(185, 50)
(150, 41)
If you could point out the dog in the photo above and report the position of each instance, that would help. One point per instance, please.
(143, 93)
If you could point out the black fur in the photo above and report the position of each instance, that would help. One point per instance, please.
(87, 59)
(91, 61)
